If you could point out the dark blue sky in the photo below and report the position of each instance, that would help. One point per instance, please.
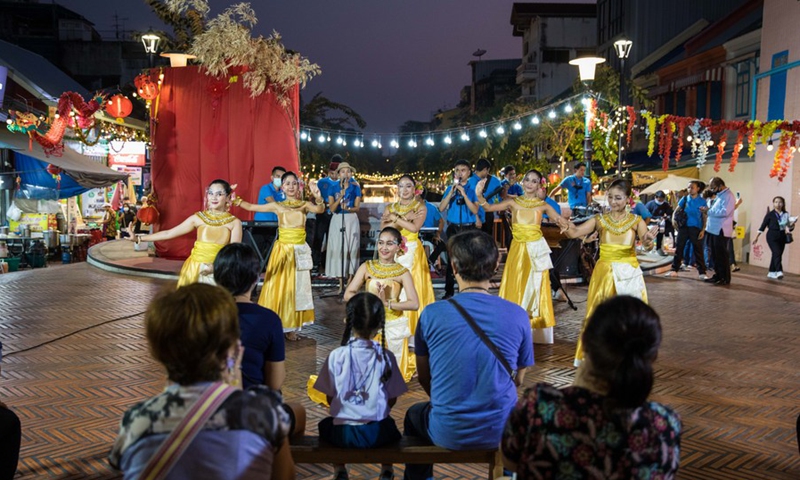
(391, 61)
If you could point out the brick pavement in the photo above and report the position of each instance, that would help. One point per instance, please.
(76, 358)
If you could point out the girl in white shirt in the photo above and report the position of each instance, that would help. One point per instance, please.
(361, 381)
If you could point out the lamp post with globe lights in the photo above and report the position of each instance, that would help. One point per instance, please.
(586, 67)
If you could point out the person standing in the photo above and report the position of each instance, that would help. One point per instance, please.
(109, 222)
(719, 226)
(526, 279)
(493, 191)
(270, 193)
(287, 280)
(472, 386)
(579, 188)
(344, 199)
(661, 211)
(215, 226)
(126, 219)
(459, 202)
(510, 186)
(617, 271)
(777, 223)
(690, 229)
(324, 219)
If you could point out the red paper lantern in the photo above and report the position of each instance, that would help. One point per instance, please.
(554, 178)
(119, 106)
(53, 170)
(147, 215)
(145, 87)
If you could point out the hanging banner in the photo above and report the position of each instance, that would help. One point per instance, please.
(134, 172)
(127, 153)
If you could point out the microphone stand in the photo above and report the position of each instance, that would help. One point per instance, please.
(343, 230)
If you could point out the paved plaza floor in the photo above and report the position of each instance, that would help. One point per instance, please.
(76, 358)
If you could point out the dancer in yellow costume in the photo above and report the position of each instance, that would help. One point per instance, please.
(393, 284)
(617, 271)
(526, 277)
(287, 281)
(408, 215)
(215, 229)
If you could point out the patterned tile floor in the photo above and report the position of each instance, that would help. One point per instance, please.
(75, 358)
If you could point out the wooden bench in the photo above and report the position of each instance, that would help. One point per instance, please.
(408, 450)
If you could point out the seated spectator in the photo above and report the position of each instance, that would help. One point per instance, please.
(194, 333)
(361, 381)
(10, 438)
(472, 391)
(236, 269)
(603, 422)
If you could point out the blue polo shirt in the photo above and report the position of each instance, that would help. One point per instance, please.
(352, 192)
(576, 190)
(458, 214)
(492, 184)
(692, 208)
(433, 216)
(516, 189)
(268, 190)
(553, 204)
(324, 184)
(641, 210)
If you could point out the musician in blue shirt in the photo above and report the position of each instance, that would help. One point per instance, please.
(269, 193)
(344, 200)
(510, 185)
(579, 188)
(460, 203)
(324, 219)
(493, 191)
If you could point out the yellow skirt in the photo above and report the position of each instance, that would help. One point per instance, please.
(278, 293)
(190, 272)
(601, 288)
(422, 283)
(515, 279)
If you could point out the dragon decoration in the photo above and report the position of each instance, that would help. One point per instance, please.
(72, 112)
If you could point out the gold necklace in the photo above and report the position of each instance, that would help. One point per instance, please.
(526, 202)
(292, 203)
(215, 219)
(618, 227)
(379, 270)
(400, 209)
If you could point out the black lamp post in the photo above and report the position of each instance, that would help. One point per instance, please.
(623, 48)
(587, 67)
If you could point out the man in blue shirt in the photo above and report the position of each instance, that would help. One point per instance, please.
(459, 201)
(471, 391)
(510, 185)
(493, 191)
(269, 193)
(323, 219)
(688, 221)
(719, 226)
(578, 186)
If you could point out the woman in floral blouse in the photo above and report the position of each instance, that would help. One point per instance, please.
(602, 426)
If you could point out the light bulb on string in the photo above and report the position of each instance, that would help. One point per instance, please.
(394, 144)
(329, 137)
(535, 120)
(568, 108)
(303, 135)
(500, 130)
(448, 140)
(483, 134)
(339, 140)
(517, 126)
(770, 146)
(552, 114)
(374, 143)
(321, 138)
(465, 137)
(429, 142)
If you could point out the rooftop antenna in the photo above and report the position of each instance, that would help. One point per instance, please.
(479, 53)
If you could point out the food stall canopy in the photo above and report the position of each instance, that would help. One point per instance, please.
(83, 170)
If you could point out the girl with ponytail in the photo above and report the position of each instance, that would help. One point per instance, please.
(361, 382)
(603, 422)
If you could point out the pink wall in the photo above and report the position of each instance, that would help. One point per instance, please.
(780, 32)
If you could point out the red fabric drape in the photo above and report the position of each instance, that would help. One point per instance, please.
(201, 135)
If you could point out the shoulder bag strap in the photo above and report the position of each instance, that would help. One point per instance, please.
(181, 437)
(483, 337)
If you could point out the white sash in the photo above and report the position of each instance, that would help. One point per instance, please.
(539, 256)
(397, 330)
(302, 278)
(628, 280)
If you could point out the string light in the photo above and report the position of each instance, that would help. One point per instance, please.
(770, 146)
(394, 144)
(483, 134)
(374, 143)
(321, 138)
(429, 142)
(465, 137)
(448, 140)
(568, 108)
(535, 120)
(500, 130)
(552, 114)
(517, 126)
(303, 136)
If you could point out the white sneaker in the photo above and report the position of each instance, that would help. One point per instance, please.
(778, 274)
(670, 273)
(772, 275)
(702, 276)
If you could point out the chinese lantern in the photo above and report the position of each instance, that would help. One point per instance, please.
(53, 170)
(147, 89)
(553, 178)
(119, 107)
(148, 215)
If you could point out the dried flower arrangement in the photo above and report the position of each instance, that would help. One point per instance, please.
(227, 46)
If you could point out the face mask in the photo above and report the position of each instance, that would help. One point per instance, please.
(125, 209)
(276, 182)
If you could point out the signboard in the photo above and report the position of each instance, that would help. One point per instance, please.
(92, 202)
(127, 153)
(134, 172)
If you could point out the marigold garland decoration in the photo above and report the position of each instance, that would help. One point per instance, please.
(631, 122)
(652, 123)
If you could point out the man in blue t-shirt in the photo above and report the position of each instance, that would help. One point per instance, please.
(323, 220)
(493, 191)
(578, 186)
(471, 390)
(689, 220)
(510, 185)
(460, 202)
(269, 193)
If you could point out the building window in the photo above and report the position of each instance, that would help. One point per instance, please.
(742, 100)
(777, 87)
(555, 55)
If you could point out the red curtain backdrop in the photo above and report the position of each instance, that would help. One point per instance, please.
(207, 129)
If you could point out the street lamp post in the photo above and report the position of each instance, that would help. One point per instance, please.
(586, 68)
(623, 48)
(151, 40)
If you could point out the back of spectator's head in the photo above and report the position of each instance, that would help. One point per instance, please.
(236, 268)
(621, 341)
(473, 254)
(483, 164)
(191, 331)
(366, 317)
